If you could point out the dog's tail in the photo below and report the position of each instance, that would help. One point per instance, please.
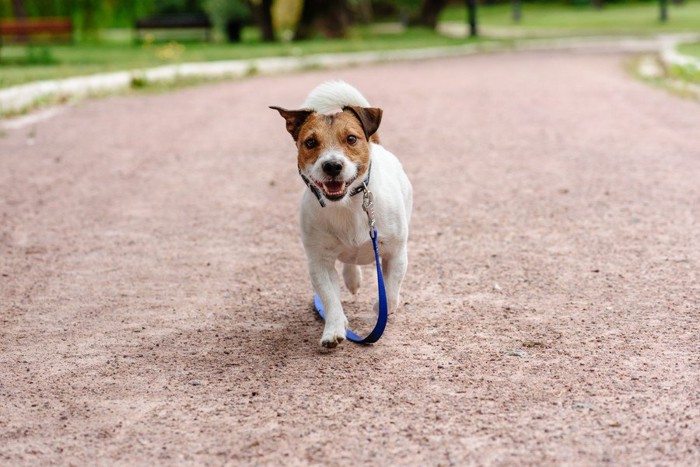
(332, 96)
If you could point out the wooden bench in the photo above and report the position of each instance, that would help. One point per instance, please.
(31, 30)
(183, 21)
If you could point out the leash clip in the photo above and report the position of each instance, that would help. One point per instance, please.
(368, 207)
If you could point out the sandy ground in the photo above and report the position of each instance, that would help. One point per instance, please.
(155, 302)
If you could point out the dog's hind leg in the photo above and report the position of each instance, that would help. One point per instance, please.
(352, 275)
(394, 268)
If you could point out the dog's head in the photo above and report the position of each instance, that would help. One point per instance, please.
(333, 150)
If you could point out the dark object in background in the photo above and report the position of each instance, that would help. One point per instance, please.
(471, 18)
(663, 11)
(174, 21)
(330, 17)
(233, 30)
(262, 14)
(430, 12)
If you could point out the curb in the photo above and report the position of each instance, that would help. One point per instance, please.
(669, 51)
(22, 97)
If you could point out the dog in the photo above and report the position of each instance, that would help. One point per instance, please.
(339, 156)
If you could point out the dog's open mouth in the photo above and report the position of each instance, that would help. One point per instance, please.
(333, 189)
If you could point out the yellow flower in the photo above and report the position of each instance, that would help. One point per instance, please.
(171, 51)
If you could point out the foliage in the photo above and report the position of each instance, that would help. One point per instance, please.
(169, 6)
(177, 6)
(688, 73)
(552, 19)
(82, 59)
(691, 49)
(39, 55)
(220, 11)
(106, 13)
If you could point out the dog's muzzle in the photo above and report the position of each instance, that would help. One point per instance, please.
(334, 190)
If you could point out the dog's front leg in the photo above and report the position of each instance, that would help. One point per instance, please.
(327, 285)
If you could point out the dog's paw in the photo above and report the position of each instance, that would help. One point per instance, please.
(352, 276)
(332, 341)
(333, 335)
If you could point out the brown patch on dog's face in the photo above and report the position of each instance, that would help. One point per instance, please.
(333, 150)
(341, 131)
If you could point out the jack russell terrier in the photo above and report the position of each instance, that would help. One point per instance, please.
(339, 156)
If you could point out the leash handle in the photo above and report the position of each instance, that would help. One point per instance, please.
(383, 312)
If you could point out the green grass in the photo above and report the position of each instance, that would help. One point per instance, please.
(21, 64)
(681, 81)
(690, 49)
(115, 52)
(640, 18)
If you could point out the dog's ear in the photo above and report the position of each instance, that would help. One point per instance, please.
(369, 117)
(294, 118)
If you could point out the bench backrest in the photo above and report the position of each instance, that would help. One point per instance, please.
(23, 29)
(174, 21)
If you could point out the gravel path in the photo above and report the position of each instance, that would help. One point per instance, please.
(154, 301)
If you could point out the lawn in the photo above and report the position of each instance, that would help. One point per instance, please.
(690, 49)
(19, 64)
(641, 18)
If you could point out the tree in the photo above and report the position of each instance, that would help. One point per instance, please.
(262, 13)
(430, 12)
(330, 17)
(517, 10)
(471, 18)
(19, 9)
(90, 10)
(663, 11)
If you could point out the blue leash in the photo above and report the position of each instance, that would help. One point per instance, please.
(378, 330)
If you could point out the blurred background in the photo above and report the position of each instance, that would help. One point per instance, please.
(49, 39)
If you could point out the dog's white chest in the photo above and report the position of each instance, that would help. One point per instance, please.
(349, 238)
(362, 254)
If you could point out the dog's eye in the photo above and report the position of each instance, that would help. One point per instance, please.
(311, 143)
(352, 139)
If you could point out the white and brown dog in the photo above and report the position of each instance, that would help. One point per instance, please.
(339, 152)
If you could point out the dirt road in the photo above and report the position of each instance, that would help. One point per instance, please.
(154, 302)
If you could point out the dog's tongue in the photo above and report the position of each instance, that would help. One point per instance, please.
(333, 186)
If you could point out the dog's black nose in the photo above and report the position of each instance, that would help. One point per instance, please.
(332, 168)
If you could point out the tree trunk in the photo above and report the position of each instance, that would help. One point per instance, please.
(262, 13)
(19, 9)
(430, 13)
(663, 11)
(517, 11)
(366, 11)
(90, 28)
(471, 18)
(330, 17)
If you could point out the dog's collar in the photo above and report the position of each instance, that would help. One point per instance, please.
(314, 189)
(365, 183)
(317, 192)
